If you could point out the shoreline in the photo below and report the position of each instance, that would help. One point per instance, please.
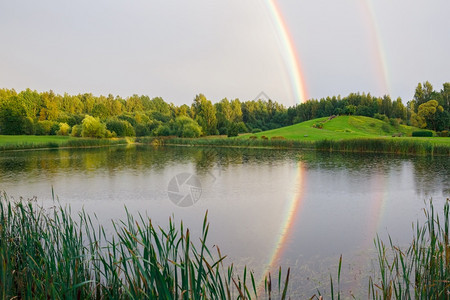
(399, 146)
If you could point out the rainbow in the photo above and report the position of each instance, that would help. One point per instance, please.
(292, 213)
(368, 11)
(291, 58)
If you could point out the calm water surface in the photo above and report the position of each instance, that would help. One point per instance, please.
(266, 207)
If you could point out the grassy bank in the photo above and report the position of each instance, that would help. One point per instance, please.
(48, 254)
(362, 145)
(17, 142)
(338, 128)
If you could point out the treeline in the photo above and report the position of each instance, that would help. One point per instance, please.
(30, 112)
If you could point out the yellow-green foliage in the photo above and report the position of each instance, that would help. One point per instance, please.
(64, 129)
(92, 127)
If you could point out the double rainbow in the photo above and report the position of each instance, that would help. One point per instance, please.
(292, 60)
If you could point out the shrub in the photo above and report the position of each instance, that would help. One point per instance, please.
(142, 130)
(264, 137)
(233, 130)
(242, 127)
(381, 117)
(92, 127)
(443, 133)
(385, 128)
(256, 130)
(76, 131)
(46, 127)
(186, 127)
(28, 126)
(422, 133)
(120, 127)
(162, 130)
(318, 125)
(64, 129)
(394, 122)
(253, 137)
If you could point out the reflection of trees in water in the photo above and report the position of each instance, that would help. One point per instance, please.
(432, 174)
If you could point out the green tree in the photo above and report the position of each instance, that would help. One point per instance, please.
(92, 127)
(64, 129)
(205, 114)
(120, 127)
(12, 117)
(427, 113)
(422, 94)
(187, 127)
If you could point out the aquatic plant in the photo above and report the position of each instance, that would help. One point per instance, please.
(47, 254)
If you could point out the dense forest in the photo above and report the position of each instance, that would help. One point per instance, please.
(46, 113)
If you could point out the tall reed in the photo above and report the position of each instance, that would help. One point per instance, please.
(421, 271)
(47, 254)
(369, 145)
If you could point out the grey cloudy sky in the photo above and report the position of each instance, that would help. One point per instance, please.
(177, 49)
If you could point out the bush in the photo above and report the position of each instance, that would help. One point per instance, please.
(422, 133)
(46, 127)
(318, 125)
(92, 127)
(186, 127)
(64, 129)
(28, 126)
(162, 130)
(443, 133)
(142, 130)
(256, 130)
(394, 122)
(253, 137)
(120, 127)
(381, 117)
(233, 130)
(385, 128)
(76, 131)
(242, 127)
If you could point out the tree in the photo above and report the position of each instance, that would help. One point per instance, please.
(120, 127)
(92, 127)
(427, 112)
(12, 117)
(186, 127)
(205, 114)
(64, 129)
(422, 94)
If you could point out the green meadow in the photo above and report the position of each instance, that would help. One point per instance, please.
(342, 128)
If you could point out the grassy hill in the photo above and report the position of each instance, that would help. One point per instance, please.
(339, 128)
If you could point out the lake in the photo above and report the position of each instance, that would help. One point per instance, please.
(266, 208)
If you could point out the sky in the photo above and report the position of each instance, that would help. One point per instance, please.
(233, 48)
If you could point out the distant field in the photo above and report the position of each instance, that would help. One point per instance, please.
(343, 128)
